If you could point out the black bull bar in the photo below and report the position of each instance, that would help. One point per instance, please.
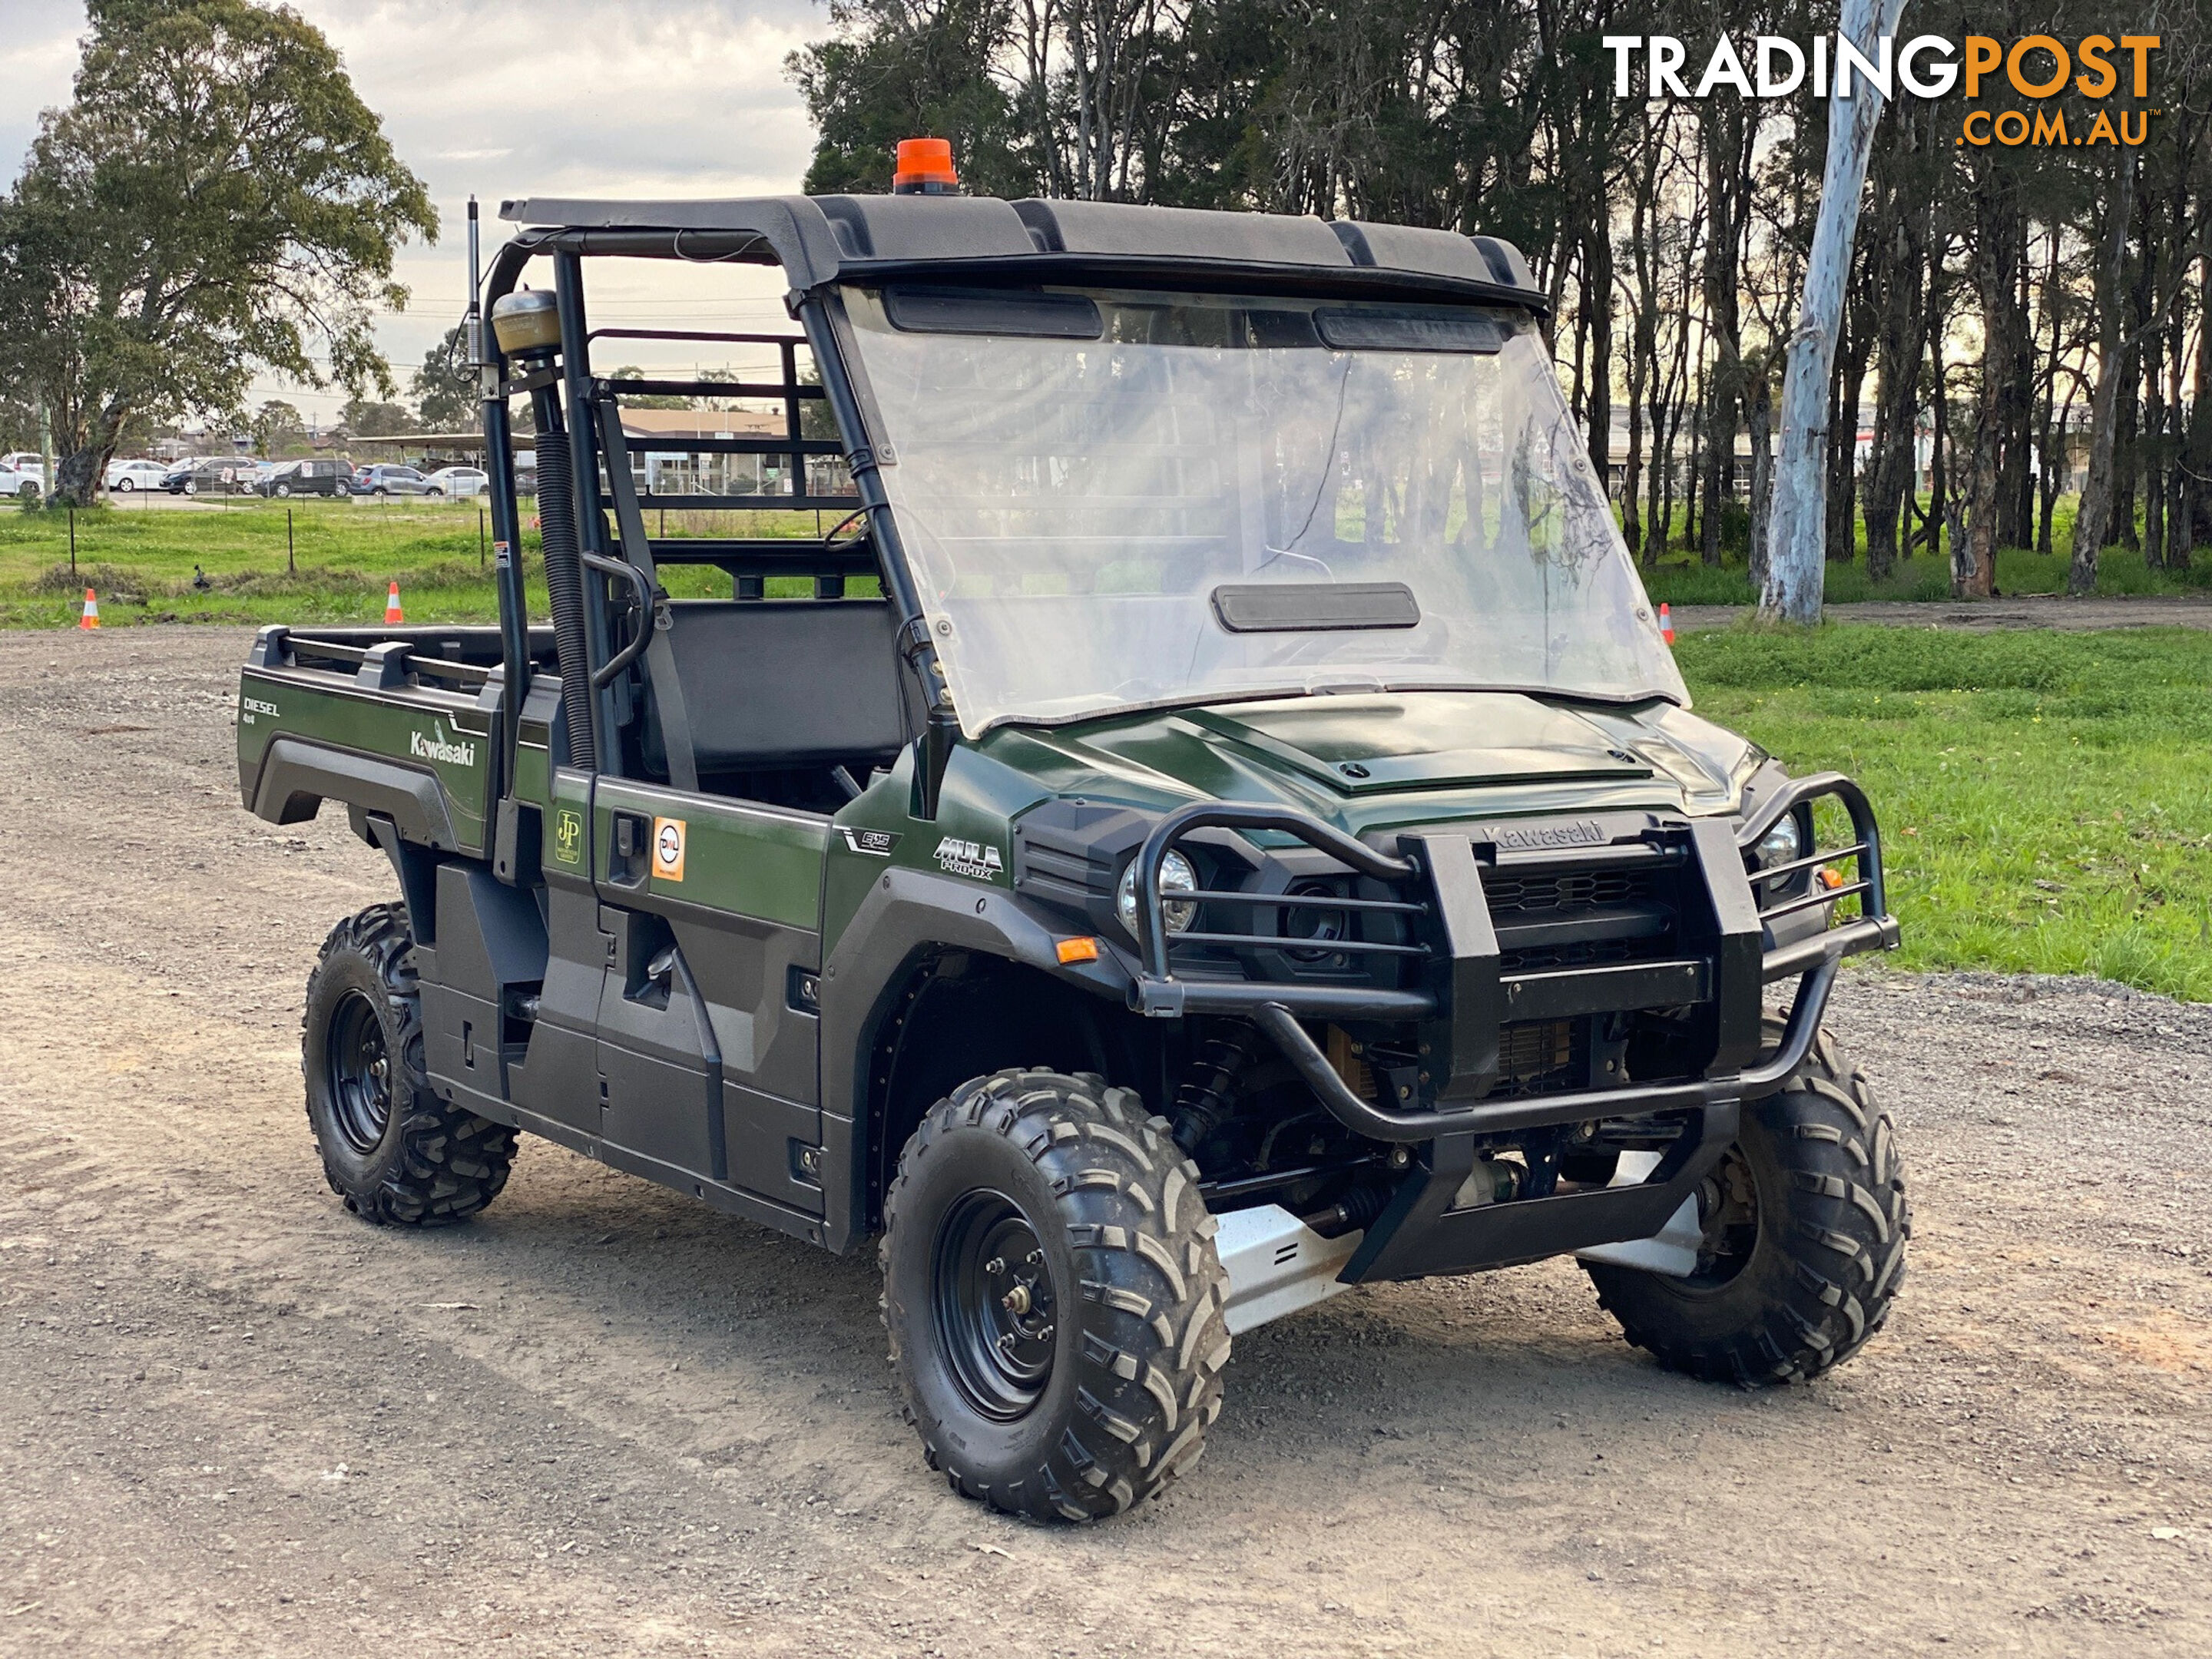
(1468, 998)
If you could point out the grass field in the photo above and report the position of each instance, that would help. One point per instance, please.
(1681, 579)
(341, 554)
(330, 563)
(2046, 797)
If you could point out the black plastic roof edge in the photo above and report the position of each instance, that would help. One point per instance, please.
(820, 240)
(1203, 276)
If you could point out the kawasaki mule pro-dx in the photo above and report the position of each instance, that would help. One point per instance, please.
(1213, 822)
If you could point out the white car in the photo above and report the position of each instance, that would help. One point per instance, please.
(27, 462)
(15, 483)
(124, 477)
(457, 482)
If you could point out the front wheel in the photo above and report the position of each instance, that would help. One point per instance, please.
(1804, 1223)
(1054, 1302)
(392, 1150)
(283, 490)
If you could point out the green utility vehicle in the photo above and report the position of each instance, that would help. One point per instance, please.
(1207, 821)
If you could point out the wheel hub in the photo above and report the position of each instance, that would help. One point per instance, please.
(360, 1073)
(1728, 1217)
(995, 1305)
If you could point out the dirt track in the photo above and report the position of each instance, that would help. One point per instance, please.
(233, 1421)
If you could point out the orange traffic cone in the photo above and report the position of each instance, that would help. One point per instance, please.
(90, 619)
(1666, 623)
(393, 614)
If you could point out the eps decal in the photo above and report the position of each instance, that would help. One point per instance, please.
(876, 843)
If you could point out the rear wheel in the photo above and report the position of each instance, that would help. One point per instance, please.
(1053, 1296)
(1805, 1223)
(124, 486)
(392, 1150)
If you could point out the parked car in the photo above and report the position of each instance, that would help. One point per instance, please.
(218, 477)
(387, 480)
(27, 462)
(319, 477)
(457, 482)
(15, 483)
(124, 477)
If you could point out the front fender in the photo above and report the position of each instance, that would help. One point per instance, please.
(908, 912)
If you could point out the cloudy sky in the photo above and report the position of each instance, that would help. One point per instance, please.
(566, 97)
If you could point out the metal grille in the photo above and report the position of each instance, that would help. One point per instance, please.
(1588, 953)
(1535, 893)
(1541, 1057)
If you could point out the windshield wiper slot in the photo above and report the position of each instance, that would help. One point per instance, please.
(1026, 312)
(1313, 607)
(1409, 328)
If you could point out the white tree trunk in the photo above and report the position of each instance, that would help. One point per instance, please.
(1797, 528)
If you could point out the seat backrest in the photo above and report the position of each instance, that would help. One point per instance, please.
(785, 682)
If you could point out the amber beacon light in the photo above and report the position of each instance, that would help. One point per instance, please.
(925, 168)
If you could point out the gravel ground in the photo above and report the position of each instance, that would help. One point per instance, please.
(233, 1421)
(1985, 616)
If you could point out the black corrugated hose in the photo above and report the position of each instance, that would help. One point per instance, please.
(564, 577)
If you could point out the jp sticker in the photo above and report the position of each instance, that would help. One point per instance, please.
(668, 848)
(569, 835)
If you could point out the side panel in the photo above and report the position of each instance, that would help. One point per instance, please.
(711, 1056)
(305, 735)
(490, 952)
(558, 1076)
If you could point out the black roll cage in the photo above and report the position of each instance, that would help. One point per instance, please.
(827, 339)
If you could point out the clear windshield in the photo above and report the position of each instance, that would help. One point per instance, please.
(1099, 510)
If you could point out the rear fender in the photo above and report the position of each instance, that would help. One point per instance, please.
(297, 776)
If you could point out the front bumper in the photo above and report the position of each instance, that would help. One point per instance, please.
(1722, 966)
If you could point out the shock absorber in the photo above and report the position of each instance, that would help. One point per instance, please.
(1202, 1102)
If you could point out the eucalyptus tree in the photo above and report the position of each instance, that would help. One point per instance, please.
(214, 201)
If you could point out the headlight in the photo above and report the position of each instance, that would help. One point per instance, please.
(1175, 876)
(1782, 844)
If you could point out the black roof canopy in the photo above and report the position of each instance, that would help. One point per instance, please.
(823, 239)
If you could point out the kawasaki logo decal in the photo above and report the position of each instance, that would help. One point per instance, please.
(438, 747)
(968, 858)
(1565, 832)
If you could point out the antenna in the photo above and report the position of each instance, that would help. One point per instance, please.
(472, 322)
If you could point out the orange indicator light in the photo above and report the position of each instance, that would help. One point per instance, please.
(1073, 951)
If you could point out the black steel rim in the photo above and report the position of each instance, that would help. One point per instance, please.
(996, 1310)
(360, 1072)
